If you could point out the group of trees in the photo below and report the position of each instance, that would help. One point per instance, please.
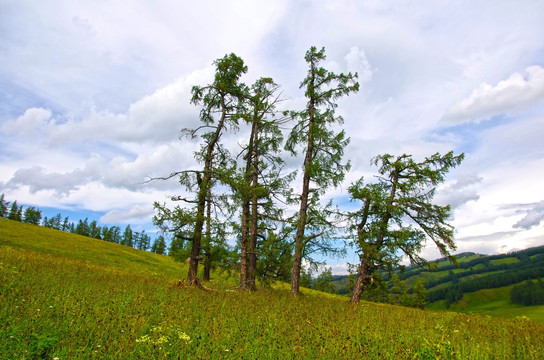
(528, 293)
(245, 196)
(501, 274)
(32, 215)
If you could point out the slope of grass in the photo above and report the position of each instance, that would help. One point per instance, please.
(494, 302)
(62, 244)
(67, 301)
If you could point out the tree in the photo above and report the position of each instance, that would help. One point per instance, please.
(420, 294)
(324, 282)
(32, 216)
(143, 241)
(83, 228)
(127, 238)
(377, 290)
(397, 290)
(323, 151)
(159, 245)
(4, 206)
(16, 212)
(65, 224)
(397, 214)
(94, 229)
(115, 234)
(260, 179)
(306, 279)
(275, 255)
(221, 103)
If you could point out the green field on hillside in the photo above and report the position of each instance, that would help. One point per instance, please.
(69, 297)
(494, 302)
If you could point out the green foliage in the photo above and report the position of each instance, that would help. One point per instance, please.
(528, 293)
(323, 282)
(32, 216)
(420, 294)
(159, 245)
(378, 290)
(398, 293)
(306, 279)
(136, 309)
(275, 257)
(128, 237)
(4, 206)
(397, 214)
(323, 151)
(15, 212)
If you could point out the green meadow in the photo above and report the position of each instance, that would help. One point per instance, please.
(65, 296)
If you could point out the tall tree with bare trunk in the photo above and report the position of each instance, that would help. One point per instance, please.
(261, 177)
(221, 103)
(323, 148)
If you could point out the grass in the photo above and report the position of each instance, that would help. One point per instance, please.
(493, 302)
(62, 298)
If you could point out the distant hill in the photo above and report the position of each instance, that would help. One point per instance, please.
(478, 283)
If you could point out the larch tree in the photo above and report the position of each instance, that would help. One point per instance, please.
(16, 212)
(261, 178)
(221, 103)
(420, 294)
(398, 216)
(323, 150)
(4, 206)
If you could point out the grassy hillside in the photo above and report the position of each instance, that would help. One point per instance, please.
(481, 276)
(494, 302)
(68, 297)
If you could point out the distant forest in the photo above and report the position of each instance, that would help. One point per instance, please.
(529, 266)
(114, 234)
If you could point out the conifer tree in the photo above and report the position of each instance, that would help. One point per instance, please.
(221, 103)
(260, 179)
(128, 237)
(32, 216)
(4, 206)
(323, 150)
(420, 294)
(159, 245)
(397, 214)
(16, 212)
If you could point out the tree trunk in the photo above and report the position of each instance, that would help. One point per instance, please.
(208, 247)
(363, 276)
(203, 188)
(299, 238)
(254, 208)
(243, 244)
(244, 278)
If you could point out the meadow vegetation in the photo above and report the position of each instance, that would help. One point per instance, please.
(65, 296)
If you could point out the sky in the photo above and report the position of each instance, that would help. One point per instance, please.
(93, 95)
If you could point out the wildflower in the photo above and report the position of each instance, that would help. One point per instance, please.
(184, 336)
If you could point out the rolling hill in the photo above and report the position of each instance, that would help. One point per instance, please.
(478, 283)
(66, 296)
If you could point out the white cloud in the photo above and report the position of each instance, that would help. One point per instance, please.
(357, 61)
(459, 192)
(33, 121)
(515, 93)
(134, 215)
(533, 214)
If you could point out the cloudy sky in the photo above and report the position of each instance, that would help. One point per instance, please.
(93, 95)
